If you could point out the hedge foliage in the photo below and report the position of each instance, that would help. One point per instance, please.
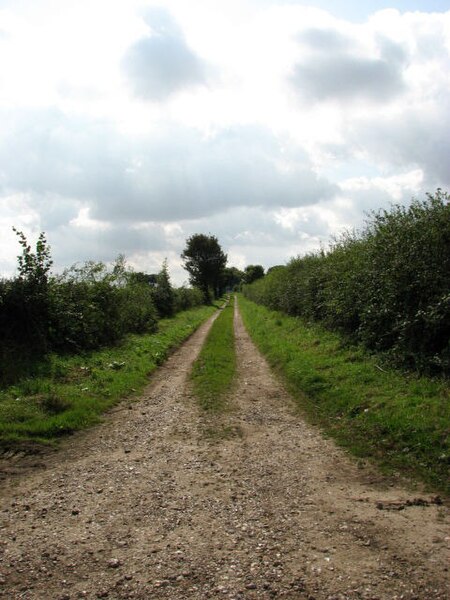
(387, 286)
(87, 307)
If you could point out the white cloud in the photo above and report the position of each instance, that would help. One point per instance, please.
(161, 63)
(125, 127)
(177, 174)
(339, 68)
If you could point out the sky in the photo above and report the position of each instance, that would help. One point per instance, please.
(127, 126)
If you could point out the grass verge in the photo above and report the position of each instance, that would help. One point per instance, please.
(402, 421)
(80, 388)
(214, 370)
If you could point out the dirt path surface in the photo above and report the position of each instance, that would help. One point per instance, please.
(163, 502)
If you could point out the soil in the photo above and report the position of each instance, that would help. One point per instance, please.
(162, 501)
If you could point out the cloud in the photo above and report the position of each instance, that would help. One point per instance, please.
(412, 139)
(77, 243)
(173, 174)
(162, 64)
(337, 69)
(47, 152)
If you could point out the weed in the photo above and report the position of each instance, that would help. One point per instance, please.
(53, 404)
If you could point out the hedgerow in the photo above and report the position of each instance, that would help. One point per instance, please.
(87, 307)
(387, 286)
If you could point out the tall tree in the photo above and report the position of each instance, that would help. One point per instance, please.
(253, 272)
(205, 262)
(232, 277)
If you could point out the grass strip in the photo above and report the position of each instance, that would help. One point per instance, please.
(82, 387)
(402, 421)
(214, 371)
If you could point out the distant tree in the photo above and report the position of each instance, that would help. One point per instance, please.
(275, 268)
(205, 262)
(30, 307)
(34, 267)
(232, 277)
(163, 295)
(252, 273)
(140, 277)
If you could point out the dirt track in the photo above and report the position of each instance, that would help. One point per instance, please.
(163, 502)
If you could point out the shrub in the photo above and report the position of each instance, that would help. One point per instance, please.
(185, 298)
(94, 307)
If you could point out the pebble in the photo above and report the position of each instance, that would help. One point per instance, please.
(114, 563)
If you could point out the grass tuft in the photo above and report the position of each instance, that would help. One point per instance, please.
(214, 371)
(402, 421)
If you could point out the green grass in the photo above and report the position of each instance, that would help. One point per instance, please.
(402, 421)
(80, 388)
(214, 371)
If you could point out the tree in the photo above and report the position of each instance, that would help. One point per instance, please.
(30, 298)
(205, 262)
(232, 277)
(144, 278)
(34, 267)
(253, 272)
(163, 294)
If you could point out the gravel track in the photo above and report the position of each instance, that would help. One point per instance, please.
(161, 501)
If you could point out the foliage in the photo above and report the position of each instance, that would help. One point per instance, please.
(25, 303)
(87, 307)
(402, 422)
(93, 306)
(252, 273)
(34, 267)
(205, 262)
(387, 287)
(185, 298)
(232, 278)
(140, 277)
(163, 294)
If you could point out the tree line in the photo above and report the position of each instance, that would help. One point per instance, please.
(387, 286)
(92, 305)
(206, 262)
(86, 307)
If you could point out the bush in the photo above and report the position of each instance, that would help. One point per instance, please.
(185, 298)
(94, 307)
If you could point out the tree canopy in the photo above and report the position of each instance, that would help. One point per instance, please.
(252, 273)
(205, 262)
(232, 277)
